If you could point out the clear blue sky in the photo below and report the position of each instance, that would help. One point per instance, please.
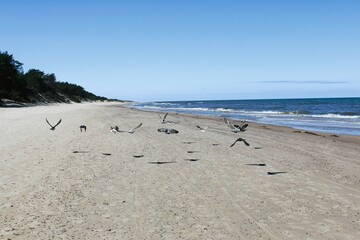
(190, 49)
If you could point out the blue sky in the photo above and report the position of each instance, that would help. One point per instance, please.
(183, 50)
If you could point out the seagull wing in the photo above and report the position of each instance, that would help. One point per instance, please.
(160, 116)
(165, 116)
(173, 131)
(243, 127)
(246, 143)
(138, 126)
(58, 123)
(234, 143)
(49, 123)
(229, 123)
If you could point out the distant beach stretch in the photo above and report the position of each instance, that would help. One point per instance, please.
(331, 115)
(176, 177)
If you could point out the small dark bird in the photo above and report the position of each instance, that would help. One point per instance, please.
(82, 127)
(138, 156)
(237, 128)
(53, 127)
(114, 129)
(240, 140)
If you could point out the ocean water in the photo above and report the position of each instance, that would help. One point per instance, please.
(331, 115)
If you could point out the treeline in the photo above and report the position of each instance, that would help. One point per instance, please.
(35, 86)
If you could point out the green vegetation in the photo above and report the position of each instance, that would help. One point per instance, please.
(35, 86)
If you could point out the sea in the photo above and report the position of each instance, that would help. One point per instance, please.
(328, 115)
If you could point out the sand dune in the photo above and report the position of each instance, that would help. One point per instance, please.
(64, 184)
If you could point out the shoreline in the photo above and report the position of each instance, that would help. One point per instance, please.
(255, 124)
(336, 115)
(67, 184)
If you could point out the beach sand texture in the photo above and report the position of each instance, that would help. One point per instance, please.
(189, 185)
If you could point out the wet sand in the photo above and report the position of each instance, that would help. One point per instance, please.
(65, 184)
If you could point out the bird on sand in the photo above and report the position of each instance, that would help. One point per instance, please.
(237, 128)
(53, 127)
(82, 127)
(114, 129)
(168, 130)
(240, 140)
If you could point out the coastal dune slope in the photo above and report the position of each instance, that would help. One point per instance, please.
(65, 184)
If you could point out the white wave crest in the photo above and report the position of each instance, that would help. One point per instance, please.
(334, 116)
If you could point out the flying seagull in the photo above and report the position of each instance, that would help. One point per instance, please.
(53, 127)
(240, 140)
(236, 128)
(201, 128)
(162, 119)
(132, 130)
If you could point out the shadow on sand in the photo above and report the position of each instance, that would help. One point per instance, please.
(274, 173)
(81, 151)
(193, 151)
(192, 159)
(256, 164)
(159, 162)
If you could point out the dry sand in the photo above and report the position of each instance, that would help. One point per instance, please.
(49, 192)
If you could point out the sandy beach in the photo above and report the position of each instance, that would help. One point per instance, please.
(65, 184)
